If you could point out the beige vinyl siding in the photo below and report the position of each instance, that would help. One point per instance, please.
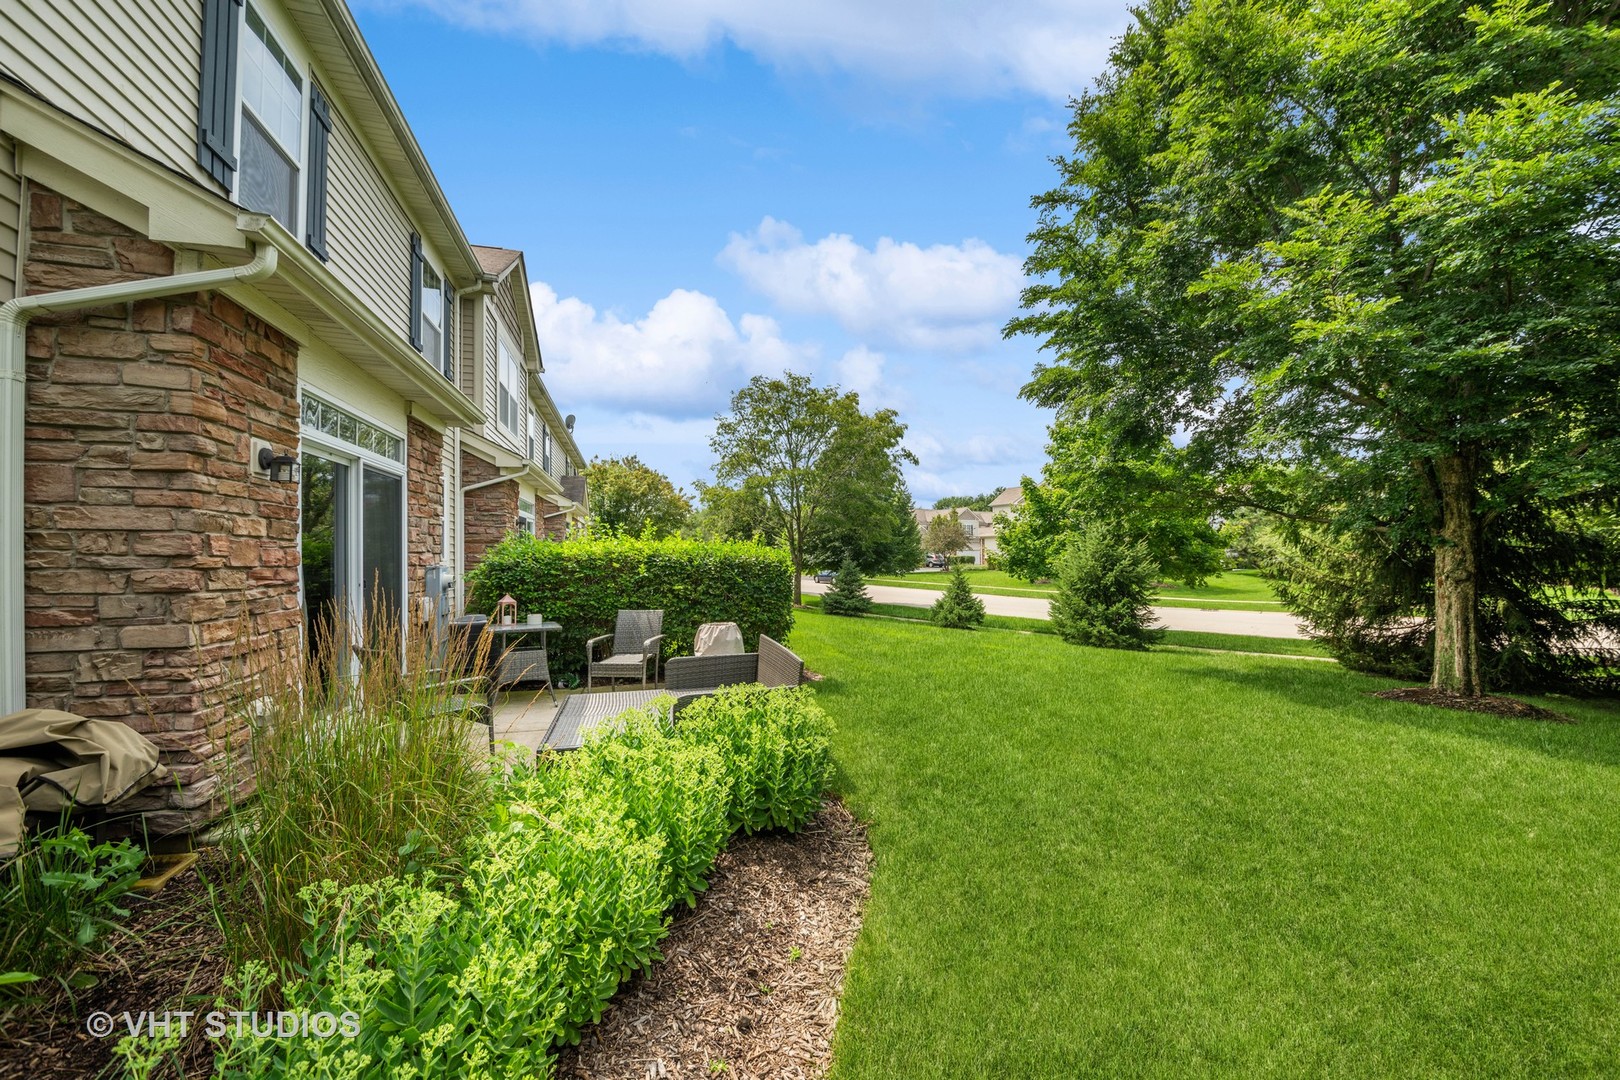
(10, 218)
(368, 235)
(506, 304)
(467, 326)
(128, 67)
(492, 372)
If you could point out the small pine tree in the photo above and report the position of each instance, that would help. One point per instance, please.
(1105, 589)
(957, 608)
(848, 596)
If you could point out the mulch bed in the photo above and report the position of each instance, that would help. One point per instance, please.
(750, 980)
(1483, 703)
(173, 957)
(731, 989)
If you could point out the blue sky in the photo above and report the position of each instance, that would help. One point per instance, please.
(709, 189)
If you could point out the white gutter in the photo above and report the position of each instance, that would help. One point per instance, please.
(14, 316)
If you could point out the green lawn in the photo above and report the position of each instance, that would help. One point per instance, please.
(1242, 590)
(1191, 639)
(1181, 864)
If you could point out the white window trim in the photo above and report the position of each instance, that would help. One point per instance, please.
(520, 399)
(283, 33)
(357, 458)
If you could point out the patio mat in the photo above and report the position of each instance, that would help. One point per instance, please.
(579, 713)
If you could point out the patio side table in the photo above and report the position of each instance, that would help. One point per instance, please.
(516, 661)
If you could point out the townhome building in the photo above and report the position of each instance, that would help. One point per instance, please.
(249, 363)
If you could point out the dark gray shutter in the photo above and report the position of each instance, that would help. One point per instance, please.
(450, 313)
(216, 98)
(416, 292)
(320, 131)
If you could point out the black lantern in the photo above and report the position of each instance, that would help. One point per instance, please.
(272, 463)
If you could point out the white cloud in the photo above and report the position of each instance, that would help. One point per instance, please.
(937, 454)
(683, 358)
(861, 370)
(1048, 47)
(948, 297)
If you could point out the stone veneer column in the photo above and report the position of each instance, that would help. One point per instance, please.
(424, 495)
(153, 554)
(487, 514)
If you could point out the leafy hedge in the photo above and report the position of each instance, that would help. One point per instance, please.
(563, 897)
(582, 583)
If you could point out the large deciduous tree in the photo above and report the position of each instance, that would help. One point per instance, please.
(627, 496)
(818, 461)
(1362, 259)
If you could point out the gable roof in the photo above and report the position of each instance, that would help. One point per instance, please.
(496, 261)
(1009, 496)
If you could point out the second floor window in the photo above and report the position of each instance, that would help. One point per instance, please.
(510, 377)
(272, 134)
(432, 313)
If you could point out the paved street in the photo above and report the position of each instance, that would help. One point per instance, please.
(1274, 624)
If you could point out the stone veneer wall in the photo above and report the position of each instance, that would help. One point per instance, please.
(552, 521)
(424, 495)
(152, 551)
(489, 513)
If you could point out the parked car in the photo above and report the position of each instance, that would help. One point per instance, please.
(825, 577)
(935, 562)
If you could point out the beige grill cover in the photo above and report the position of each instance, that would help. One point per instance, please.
(718, 639)
(50, 760)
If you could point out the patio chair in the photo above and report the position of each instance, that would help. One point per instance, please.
(638, 642)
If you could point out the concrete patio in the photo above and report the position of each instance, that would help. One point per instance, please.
(522, 716)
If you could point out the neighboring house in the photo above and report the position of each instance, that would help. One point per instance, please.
(261, 364)
(1006, 500)
(981, 530)
(980, 525)
(520, 467)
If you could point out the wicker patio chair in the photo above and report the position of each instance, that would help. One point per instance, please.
(637, 639)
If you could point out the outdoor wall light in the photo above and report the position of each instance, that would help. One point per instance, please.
(272, 463)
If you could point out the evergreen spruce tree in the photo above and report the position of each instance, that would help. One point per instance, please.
(1105, 587)
(848, 596)
(957, 607)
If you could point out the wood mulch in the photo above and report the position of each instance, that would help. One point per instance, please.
(170, 954)
(751, 977)
(1493, 704)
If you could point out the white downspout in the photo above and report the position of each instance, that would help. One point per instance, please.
(14, 316)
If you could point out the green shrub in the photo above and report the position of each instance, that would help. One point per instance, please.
(583, 582)
(675, 791)
(848, 596)
(957, 608)
(560, 898)
(58, 898)
(1105, 592)
(775, 743)
(355, 779)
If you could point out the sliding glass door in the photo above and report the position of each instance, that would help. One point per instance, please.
(382, 545)
(353, 549)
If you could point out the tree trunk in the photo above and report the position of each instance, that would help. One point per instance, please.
(1456, 581)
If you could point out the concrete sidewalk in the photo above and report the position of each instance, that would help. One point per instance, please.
(1272, 624)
